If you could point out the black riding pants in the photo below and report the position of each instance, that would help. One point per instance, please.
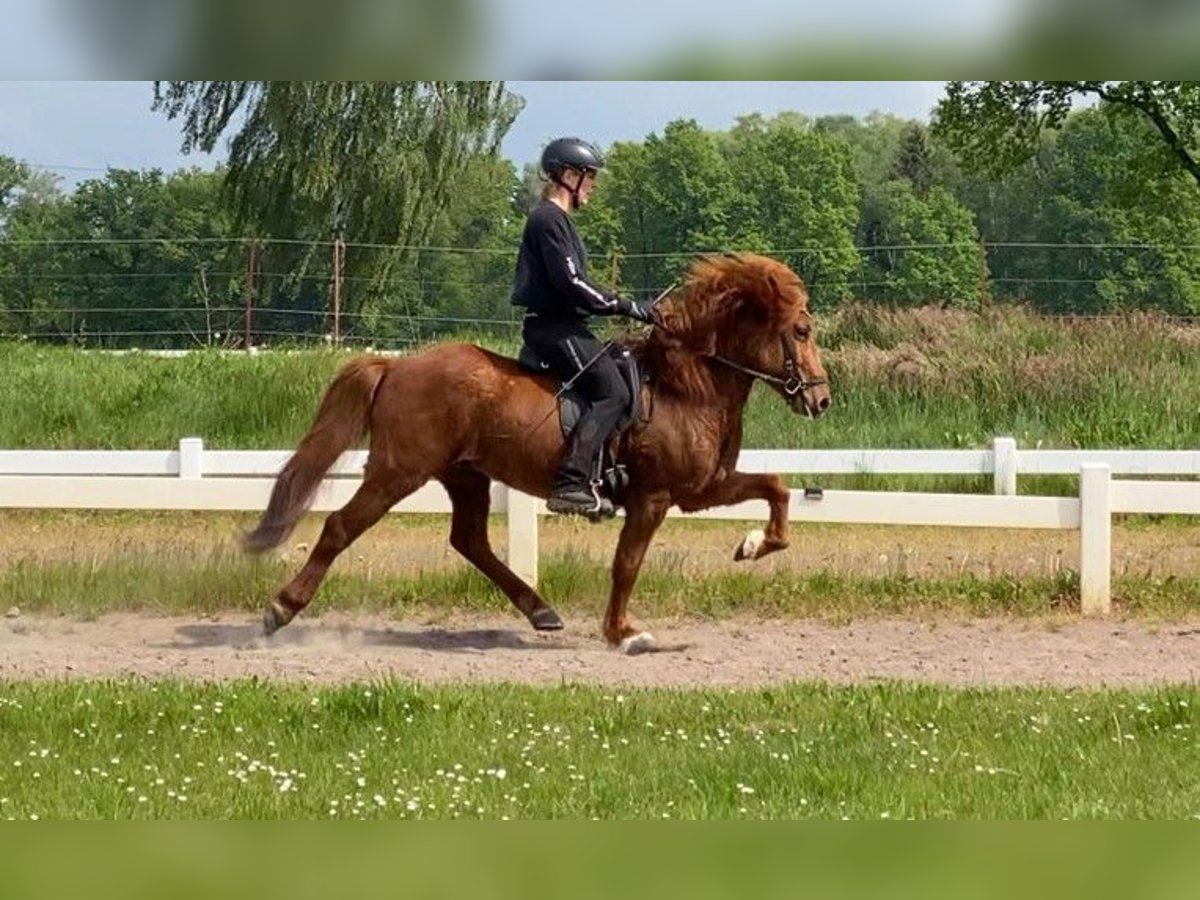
(569, 348)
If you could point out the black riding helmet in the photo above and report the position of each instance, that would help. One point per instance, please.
(570, 153)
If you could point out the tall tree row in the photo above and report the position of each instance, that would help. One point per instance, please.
(1093, 210)
(811, 192)
(374, 163)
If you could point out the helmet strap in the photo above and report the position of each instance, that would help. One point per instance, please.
(573, 191)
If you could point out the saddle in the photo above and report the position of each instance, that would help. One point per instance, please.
(609, 472)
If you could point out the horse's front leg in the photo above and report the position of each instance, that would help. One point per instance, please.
(643, 515)
(739, 486)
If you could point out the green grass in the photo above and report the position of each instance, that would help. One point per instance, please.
(910, 378)
(387, 750)
(929, 378)
(57, 398)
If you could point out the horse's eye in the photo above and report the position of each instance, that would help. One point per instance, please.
(802, 332)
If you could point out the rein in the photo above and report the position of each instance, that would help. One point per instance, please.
(793, 381)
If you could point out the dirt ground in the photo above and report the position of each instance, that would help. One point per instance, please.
(338, 648)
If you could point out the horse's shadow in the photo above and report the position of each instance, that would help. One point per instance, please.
(249, 636)
(467, 640)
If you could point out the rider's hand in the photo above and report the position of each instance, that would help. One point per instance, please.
(638, 309)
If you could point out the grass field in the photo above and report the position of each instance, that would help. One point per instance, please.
(89, 563)
(919, 378)
(914, 378)
(263, 750)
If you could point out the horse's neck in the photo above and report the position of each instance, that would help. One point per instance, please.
(703, 383)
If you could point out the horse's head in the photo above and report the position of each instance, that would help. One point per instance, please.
(751, 313)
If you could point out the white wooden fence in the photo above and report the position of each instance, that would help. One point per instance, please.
(194, 478)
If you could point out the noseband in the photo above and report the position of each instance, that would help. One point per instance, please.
(793, 380)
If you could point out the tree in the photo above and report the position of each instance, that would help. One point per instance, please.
(31, 268)
(928, 249)
(994, 125)
(1089, 238)
(918, 241)
(132, 257)
(659, 203)
(688, 196)
(1134, 244)
(12, 174)
(622, 189)
(154, 259)
(874, 143)
(467, 277)
(374, 163)
(914, 161)
(795, 194)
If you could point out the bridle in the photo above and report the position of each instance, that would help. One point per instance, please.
(793, 380)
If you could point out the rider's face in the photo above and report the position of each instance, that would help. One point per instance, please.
(586, 180)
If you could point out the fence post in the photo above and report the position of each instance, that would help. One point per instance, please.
(1004, 473)
(1095, 538)
(248, 295)
(191, 450)
(339, 252)
(523, 536)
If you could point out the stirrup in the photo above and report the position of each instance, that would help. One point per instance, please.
(581, 502)
(605, 508)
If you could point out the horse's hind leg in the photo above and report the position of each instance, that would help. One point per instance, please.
(470, 496)
(379, 492)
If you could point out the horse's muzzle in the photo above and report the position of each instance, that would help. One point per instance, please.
(813, 401)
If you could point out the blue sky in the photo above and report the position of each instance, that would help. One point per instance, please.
(79, 128)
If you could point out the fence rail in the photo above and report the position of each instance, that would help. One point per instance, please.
(193, 478)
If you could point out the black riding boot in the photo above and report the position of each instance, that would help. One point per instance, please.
(573, 501)
(578, 358)
(577, 482)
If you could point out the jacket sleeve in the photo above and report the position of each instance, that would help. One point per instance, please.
(568, 278)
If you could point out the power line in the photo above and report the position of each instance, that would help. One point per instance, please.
(64, 167)
(716, 251)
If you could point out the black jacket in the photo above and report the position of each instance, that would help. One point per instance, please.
(551, 274)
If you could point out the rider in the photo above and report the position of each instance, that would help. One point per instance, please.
(552, 284)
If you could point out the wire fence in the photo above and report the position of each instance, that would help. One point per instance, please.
(177, 292)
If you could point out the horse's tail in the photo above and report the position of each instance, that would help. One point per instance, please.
(342, 419)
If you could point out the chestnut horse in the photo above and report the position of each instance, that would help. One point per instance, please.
(464, 416)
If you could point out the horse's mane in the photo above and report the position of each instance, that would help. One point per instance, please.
(722, 299)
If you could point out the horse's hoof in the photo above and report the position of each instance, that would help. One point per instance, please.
(750, 545)
(274, 618)
(635, 644)
(545, 619)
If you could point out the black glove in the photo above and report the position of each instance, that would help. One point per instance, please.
(637, 309)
